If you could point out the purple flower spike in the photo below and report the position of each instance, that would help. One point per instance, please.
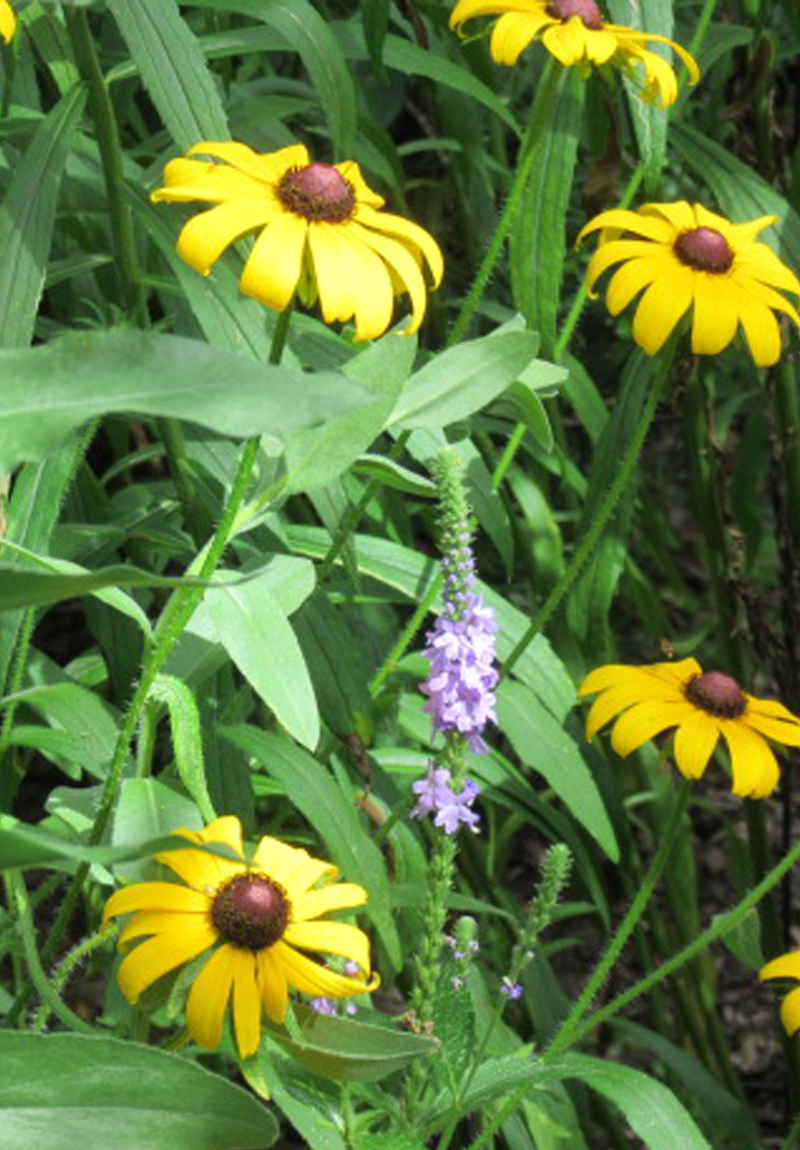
(437, 797)
(510, 990)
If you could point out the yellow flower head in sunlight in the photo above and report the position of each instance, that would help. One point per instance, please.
(687, 257)
(702, 705)
(8, 21)
(787, 966)
(575, 32)
(250, 918)
(320, 232)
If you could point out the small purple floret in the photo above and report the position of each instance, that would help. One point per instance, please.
(323, 1006)
(510, 990)
(437, 798)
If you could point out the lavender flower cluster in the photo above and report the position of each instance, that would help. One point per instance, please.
(461, 649)
(436, 796)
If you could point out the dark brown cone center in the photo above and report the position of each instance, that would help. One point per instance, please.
(318, 192)
(717, 694)
(251, 911)
(705, 249)
(586, 11)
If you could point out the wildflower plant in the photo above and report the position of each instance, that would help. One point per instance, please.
(361, 577)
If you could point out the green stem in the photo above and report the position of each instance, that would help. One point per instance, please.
(605, 511)
(543, 104)
(195, 513)
(722, 925)
(406, 638)
(566, 1033)
(66, 968)
(174, 618)
(111, 158)
(9, 783)
(788, 425)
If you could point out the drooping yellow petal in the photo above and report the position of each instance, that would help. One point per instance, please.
(162, 896)
(267, 168)
(623, 220)
(632, 277)
(186, 180)
(661, 308)
(339, 938)
(206, 236)
(371, 285)
(599, 44)
(337, 896)
(753, 765)
(208, 998)
(405, 267)
(408, 233)
(790, 1011)
(163, 953)
(660, 81)
(468, 9)
(760, 262)
(771, 707)
(246, 1002)
(762, 332)
(336, 270)
(610, 675)
(645, 720)
(311, 978)
(617, 699)
(8, 21)
(364, 193)
(511, 35)
(695, 740)
(275, 264)
(788, 734)
(273, 984)
(786, 966)
(156, 922)
(716, 313)
(614, 252)
(205, 871)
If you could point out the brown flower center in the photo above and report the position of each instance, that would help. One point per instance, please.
(318, 192)
(251, 911)
(705, 249)
(717, 694)
(586, 11)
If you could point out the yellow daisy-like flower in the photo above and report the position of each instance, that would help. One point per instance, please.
(8, 21)
(321, 233)
(685, 256)
(787, 966)
(251, 918)
(575, 32)
(702, 705)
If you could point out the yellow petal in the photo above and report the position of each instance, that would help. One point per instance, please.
(661, 308)
(369, 282)
(511, 35)
(336, 271)
(273, 984)
(400, 261)
(790, 1011)
(754, 767)
(190, 180)
(163, 953)
(339, 938)
(292, 867)
(599, 44)
(644, 721)
(760, 262)
(686, 57)
(762, 331)
(275, 264)
(745, 234)
(680, 214)
(364, 193)
(622, 220)
(337, 896)
(660, 81)
(786, 966)
(614, 252)
(8, 21)
(157, 922)
(788, 734)
(616, 699)
(468, 9)
(566, 41)
(769, 707)
(408, 233)
(311, 978)
(695, 740)
(246, 1002)
(611, 675)
(634, 275)
(206, 872)
(716, 315)
(206, 236)
(162, 896)
(208, 998)
(267, 168)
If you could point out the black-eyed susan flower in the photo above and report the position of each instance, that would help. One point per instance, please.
(252, 920)
(575, 32)
(8, 21)
(688, 257)
(321, 233)
(787, 966)
(702, 705)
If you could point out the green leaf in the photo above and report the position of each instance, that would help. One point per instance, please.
(538, 238)
(412, 574)
(27, 214)
(740, 191)
(544, 746)
(349, 1051)
(311, 788)
(459, 382)
(394, 475)
(48, 391)
(22, 588)
(187, 740)
(337, 667)
(375, 22)
(254, 630)
(69, 707)
(173, 70)
(90, 1092)
(307, 33)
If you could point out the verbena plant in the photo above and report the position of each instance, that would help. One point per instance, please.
(329, 485)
